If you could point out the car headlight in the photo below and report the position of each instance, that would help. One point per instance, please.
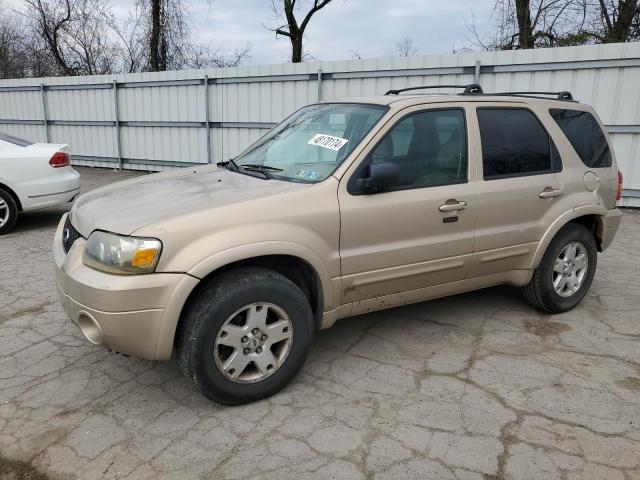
(120, 254)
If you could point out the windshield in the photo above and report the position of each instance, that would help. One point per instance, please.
(313, 142)
(14, 140)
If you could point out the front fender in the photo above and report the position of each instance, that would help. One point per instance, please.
(276, 247)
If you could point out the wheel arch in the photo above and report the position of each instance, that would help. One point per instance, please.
(591, 217)
(13, 194)
(294, 268)
(272, 251)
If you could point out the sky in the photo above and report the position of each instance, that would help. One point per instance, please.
(369, 27)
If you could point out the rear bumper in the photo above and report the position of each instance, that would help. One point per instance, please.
(53, 190)
(132, 314)
(610, 223)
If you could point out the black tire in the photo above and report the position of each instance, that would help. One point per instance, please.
(7, 199)
(540, 291)
(213, 304)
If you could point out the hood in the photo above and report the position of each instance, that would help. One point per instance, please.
(126, 206)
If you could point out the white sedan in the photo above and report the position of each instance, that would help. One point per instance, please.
(32, 176)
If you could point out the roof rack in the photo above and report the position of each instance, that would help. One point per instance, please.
(564, 95)
(470, 89)
(476, 89)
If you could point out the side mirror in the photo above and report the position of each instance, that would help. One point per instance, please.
(381, 177)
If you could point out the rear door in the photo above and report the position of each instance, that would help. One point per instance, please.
(520, 187)
(419, 233)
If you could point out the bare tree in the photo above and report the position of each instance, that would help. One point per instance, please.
(23, 53)
(49, 20)
(284, 14)
(203, 56)
(523, 24)
(169, 33)
(132, 33)
(78, 35)
(405, 47)
(619, 21)
(634, 31)
(157, 59)
(11, 47)
(82, 37)
(158, 35)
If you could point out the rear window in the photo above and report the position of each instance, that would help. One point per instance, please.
(585, 136)
(15, 140)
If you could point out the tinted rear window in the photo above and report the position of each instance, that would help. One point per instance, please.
(585, 136)
(514, 143)
(15, 140)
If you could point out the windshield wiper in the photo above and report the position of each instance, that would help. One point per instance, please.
(267, 175)
(232, 163)
(261, 167)
(250, 167)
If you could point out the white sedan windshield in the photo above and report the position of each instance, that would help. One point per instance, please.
(313, 142)
(10, 140)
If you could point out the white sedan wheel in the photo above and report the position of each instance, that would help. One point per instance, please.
(4, 212)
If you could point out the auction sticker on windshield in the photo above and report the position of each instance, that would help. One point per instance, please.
(328, 141)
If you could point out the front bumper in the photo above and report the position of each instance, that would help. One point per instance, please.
(132, 314)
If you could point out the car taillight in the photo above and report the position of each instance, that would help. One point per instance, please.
(60, 159)
(619, 194)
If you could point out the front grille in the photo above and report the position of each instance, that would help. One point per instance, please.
(69, 235)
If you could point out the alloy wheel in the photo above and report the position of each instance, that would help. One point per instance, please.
(570, 269)
(253, 343)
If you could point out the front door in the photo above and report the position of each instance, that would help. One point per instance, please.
(418, 232)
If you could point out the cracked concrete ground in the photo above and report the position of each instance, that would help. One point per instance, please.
(477, 386)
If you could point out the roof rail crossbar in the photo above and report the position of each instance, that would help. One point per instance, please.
(470, 89)
(564, 95)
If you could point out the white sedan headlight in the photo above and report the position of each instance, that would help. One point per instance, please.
(120, 254)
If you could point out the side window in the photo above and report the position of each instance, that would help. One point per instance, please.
(401, 136)
(429, 148)
(514, 143)
(585, 136)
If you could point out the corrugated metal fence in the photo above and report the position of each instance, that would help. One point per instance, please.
(153, 121)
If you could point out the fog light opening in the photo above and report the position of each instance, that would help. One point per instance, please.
(90, 328)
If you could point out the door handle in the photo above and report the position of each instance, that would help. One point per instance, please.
(550, 192)
(449, 207)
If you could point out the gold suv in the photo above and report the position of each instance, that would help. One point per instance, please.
(345, 207)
